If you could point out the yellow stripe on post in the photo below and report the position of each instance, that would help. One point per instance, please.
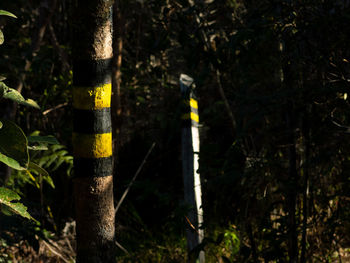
(92, 98)
(193, 103)
(92, 145)
(194, 117)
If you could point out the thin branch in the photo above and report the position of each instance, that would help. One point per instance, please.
(192, 226)
(55, 108)
(134, 178)
(121, 247)
(346, 129)
(63, 55)
(55, 252)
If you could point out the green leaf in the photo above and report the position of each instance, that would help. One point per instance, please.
(6, 13)
(43, 139)
(2, 39)
(43, 172)
(13, 146)
(49, 180)
(30, 103)
(14, 95)
(41, 147)
(38, 169)
(7, 197)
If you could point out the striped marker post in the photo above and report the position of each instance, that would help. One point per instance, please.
(92, 131)
(190, 152)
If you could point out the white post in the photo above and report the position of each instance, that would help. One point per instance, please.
(190, 157)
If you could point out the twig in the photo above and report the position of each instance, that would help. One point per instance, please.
(69, 245)
(133, 179)
(61, 248)
(55, 108)
(63, 55)
(55, 252)
(346, 129)
(191, 225)
(121, 247)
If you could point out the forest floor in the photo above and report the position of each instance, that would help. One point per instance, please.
(52, 250)
(61, 249)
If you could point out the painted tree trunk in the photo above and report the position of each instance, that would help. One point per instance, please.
(190, 152)
(92, 131)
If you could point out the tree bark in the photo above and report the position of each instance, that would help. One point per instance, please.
(92, 131)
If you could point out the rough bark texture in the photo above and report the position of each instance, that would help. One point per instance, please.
(95, 219)
(93, 185)
(93, 29)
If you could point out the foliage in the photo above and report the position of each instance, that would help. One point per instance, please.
(14, 144)
(4, 13)
(10, 198)
(231, 242)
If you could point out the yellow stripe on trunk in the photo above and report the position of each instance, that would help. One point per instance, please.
(92, 145)
(92, 98)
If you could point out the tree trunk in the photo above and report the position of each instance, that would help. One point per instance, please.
(116, 78)
(92, 131)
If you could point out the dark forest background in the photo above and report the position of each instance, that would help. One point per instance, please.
(272, 80)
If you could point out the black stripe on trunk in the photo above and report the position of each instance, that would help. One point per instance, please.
(92, 73)
(93, 167)
(92, 121)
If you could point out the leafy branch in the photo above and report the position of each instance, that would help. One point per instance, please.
(14, 144)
